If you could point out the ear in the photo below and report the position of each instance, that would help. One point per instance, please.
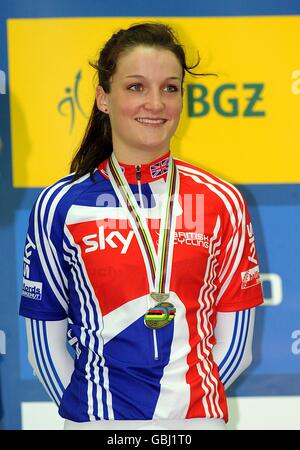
(101, 99)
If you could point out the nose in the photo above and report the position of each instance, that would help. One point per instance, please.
(154, 100)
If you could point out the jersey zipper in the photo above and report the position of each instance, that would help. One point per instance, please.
(138, 177)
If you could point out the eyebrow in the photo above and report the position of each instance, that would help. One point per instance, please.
(141, 76)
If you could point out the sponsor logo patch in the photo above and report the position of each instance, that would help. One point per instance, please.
(32, 289)
(250, 278)
(189, 238)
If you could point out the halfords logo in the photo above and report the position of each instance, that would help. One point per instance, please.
(250, 278)
(32, 289)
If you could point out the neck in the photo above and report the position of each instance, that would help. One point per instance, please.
(139, 157)
(145, 173)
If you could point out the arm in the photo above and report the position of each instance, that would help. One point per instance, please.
(233, 349)
(48, 355)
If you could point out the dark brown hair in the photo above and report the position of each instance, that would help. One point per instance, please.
(96, 145)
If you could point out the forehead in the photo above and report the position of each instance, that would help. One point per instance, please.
(148, 61)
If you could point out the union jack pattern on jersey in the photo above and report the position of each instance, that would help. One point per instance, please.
(84, 262)
(159, 168)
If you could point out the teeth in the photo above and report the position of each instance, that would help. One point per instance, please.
(151, 120)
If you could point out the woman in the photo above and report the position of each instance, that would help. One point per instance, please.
(159, 306)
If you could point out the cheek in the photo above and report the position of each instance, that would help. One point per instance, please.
(126, 111)
(125, 105)
(176, 110)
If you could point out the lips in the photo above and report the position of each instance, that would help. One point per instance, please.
(146, 120)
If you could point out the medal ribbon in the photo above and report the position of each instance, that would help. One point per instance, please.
(157, 263)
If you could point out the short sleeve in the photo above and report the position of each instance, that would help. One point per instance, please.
(238, 280)
(45, 286)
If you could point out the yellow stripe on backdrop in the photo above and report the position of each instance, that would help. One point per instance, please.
(243, 125)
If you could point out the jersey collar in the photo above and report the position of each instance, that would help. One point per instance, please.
(148, 172)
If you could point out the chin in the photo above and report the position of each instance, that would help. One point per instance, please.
(153, 143)
(153, 146)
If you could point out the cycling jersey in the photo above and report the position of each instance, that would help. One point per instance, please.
(83, 261)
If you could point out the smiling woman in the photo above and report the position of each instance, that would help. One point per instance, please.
(146, 262)
(139, 97)
(144, 103)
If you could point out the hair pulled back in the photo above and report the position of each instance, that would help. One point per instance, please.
(96, 145)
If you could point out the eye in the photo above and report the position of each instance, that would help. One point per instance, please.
(135, 87)
(171, 88)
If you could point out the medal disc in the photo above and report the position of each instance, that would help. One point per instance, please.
(160, 315)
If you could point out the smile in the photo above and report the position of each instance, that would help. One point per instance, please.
(151, 121)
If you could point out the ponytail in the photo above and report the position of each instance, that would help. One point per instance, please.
(96, 145)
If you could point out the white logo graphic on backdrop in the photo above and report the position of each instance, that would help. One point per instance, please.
(295, 87)
(296, 344)
(2, 343)
(2, 91)
(2, 82)
(276, 292)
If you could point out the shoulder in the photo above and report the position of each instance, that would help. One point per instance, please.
(57, 198)
(224, 193)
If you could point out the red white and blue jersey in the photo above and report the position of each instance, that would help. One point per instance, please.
(83, 262)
